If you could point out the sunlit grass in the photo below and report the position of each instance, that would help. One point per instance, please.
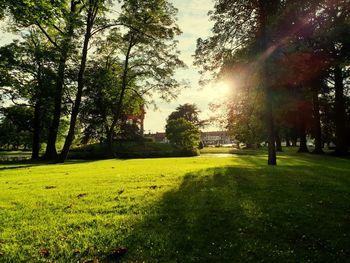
(177, 210)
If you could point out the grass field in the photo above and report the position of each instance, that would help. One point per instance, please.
(195, 209)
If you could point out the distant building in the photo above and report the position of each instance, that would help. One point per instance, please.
(159, 137)
(217, 138)
(208, 138)
(137, 119)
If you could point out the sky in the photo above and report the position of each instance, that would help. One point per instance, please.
(194, 23)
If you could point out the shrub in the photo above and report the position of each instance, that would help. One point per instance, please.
(183, 134)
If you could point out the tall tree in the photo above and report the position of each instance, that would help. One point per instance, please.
(238, 25)
(148, 51)
(93, 10)
(337, 43)
(57, 20)
(27, 73)
(266, 11)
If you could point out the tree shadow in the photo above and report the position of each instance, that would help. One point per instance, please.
(239, 214)
(13, 165)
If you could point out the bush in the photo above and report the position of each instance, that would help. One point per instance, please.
(130, 150)
(183, 134)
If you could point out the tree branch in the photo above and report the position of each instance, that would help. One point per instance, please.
(58, 29)
(104, 27)
(47, 35)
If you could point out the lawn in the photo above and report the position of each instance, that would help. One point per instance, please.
(198, 209)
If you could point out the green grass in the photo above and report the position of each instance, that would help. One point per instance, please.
(262, 150)
(217, 150)
(177, 210)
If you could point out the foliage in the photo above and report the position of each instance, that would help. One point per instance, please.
(137, 48)
(129, 149)
(102, 92)
(189, 112)
(200, 145)
(295, 55)
(182, 133)
(16, 127)
(27, 81)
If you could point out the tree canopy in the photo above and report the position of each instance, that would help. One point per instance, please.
(182, 134)
(288, 62)
(78, 56)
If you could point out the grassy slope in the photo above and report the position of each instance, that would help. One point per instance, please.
(177, 210)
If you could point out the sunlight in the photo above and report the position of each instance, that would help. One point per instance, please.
(222, 89)
(171, 117)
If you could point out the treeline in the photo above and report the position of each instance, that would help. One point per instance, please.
(81, 68)
(288, 64)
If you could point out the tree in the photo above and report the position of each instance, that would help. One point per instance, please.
(94, 11)
(148, 52)
(267, 32)
(241, 25)
(189, 112)
(102, 90)
(336, 43)
(16, 127)
(27, 81)
(182, 134)
(142, 40)
(57, 21)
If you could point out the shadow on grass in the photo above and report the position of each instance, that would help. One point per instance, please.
(25, 164)
(237, 214)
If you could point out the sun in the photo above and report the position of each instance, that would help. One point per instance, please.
(224, 88)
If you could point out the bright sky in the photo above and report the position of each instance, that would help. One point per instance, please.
(194, 23)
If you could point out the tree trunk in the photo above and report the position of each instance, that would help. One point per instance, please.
(288, 141)
(303, 142)
(272, 160)
(316, 118)
(278, 142)
(110, 139)
(293, 132)
(340, 128)
(37, 112)
(51, 151)
(77, 102)
(249, 146)
(266, 9)
(118, 111)
(36, 130)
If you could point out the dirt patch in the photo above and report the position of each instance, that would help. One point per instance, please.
(50, 187)
(81, 195)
